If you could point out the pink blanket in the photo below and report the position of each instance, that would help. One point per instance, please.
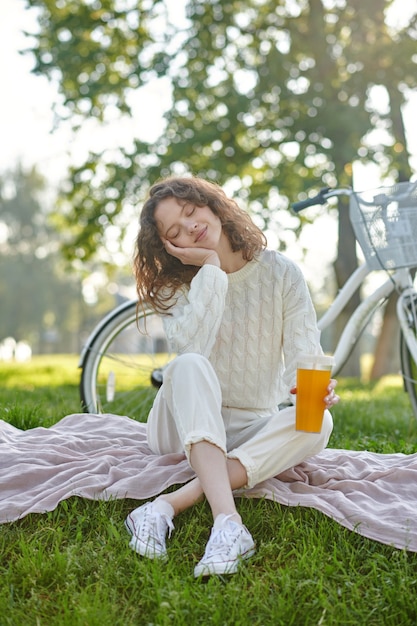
(106, 456)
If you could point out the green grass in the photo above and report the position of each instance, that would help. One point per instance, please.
(73, 567)
(40, 392)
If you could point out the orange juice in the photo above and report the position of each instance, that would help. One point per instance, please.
(313, 377)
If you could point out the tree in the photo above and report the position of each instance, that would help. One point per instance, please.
(40, 302)
(394, 69)
(269, 98)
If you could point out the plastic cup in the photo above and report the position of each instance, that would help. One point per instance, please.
(313, 377)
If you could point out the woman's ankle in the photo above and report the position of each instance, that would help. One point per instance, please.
(233, 517)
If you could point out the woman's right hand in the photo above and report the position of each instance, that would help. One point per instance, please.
(192, 256)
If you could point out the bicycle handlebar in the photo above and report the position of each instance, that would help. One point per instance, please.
(320, 198)
(402, 190)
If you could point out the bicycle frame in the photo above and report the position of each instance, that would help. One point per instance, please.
(400, 280)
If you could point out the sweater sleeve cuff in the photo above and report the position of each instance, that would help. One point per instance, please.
(210, 273)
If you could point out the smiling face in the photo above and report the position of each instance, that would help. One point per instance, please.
(186, 225)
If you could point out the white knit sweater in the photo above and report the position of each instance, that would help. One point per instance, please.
(250, 324)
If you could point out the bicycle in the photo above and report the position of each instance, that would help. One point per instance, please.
(123, 359)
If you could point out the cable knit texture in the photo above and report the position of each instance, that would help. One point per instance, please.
(250, 324)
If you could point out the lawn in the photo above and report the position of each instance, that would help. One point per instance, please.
(73, 567)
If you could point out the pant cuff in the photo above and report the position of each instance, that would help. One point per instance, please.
(248, 464)
(199, 435)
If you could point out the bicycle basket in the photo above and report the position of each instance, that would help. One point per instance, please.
(385, 224)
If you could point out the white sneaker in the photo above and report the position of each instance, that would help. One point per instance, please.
(229, 543)
(149, 528)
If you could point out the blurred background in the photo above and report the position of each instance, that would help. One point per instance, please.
(271, 99)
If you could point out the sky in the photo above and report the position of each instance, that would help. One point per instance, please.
(25, 108)
(26, 118)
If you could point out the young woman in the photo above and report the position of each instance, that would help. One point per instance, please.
(237, 315)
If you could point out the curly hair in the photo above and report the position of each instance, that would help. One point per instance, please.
(158, 274)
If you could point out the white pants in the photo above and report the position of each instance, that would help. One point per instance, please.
(188, 409)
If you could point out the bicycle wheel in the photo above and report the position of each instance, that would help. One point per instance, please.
(408, 364)
(122, 363)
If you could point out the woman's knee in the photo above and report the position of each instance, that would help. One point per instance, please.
(188, 361)
(192, 369)
(191, 387)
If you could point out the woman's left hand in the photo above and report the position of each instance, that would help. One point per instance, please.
(332, 398)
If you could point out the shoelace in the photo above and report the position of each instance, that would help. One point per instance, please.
(220, 540)
(155, 526)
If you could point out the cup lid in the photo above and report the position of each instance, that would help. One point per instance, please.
(316, 360)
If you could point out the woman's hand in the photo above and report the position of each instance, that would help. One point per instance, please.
(192, 256)
(331, 399)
